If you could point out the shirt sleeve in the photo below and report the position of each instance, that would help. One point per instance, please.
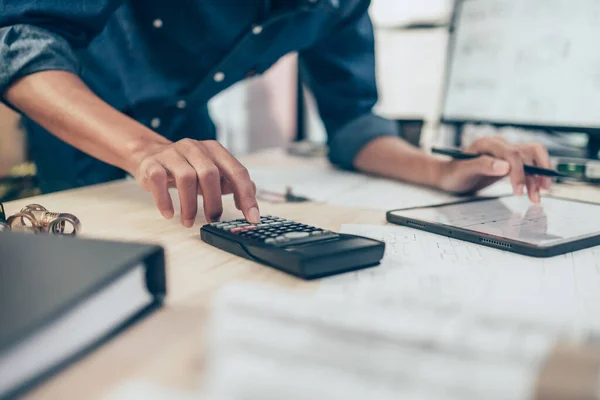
(340, 72)
(43, 35)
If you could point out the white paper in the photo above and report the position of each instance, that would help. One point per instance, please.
(280, 345)
(419, 264)
(336, 187)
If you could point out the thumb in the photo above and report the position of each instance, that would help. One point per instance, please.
(487, 166)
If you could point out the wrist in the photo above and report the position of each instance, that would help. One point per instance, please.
(394, 158)
(138, 148)
(434, 172)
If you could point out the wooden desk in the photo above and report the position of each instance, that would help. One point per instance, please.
(167, 347)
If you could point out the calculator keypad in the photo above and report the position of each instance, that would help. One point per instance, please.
(274, 230)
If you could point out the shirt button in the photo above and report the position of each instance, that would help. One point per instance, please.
(219, 77)
(155, 123)
(257, 30)
(157, 23)
(181, 104)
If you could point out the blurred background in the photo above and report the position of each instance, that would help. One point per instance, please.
(413, 43)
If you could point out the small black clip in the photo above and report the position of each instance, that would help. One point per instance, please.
(287, 197)
(292, 198)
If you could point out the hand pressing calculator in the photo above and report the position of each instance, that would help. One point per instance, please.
(302, 250)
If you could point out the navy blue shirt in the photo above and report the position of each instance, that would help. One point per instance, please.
(160, 62)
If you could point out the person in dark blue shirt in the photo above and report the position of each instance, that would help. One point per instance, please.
(114, 87)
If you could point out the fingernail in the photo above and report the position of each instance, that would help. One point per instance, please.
(188, 223)
(536, 197)
(167, 214)
(254, 215)
(215, 218)
(501, 167)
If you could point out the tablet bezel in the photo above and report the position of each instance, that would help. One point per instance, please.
(496, 242)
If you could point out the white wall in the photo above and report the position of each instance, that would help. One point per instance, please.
(410, 63)
(260, 112)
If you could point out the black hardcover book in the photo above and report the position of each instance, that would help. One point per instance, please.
(60, 297)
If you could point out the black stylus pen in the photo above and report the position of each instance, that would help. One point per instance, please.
(529, 169)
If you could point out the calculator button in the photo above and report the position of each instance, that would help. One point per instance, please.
(235, 230)
(281, 239)
(244, 224)
(296, 235)
(263, 225)
(269, 241)
(316, 233)
(288, 222)
(276, 224)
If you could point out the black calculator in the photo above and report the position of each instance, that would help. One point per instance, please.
(302, 250)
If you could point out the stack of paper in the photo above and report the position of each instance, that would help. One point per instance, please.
(266, 344)
(332, 186)
(438, 319)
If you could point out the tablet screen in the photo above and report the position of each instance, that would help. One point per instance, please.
(553, 222)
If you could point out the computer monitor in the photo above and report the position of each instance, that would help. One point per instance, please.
(527, 63)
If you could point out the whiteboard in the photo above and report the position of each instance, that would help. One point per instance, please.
(525, 62)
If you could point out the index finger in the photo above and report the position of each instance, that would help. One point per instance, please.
(237, 174)
(541, 157)
(505, 151)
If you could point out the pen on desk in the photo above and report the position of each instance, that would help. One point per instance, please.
(529, 169)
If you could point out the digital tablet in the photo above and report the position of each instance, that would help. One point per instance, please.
(512, 223)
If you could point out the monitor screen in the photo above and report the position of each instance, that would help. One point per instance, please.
(525, 62)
